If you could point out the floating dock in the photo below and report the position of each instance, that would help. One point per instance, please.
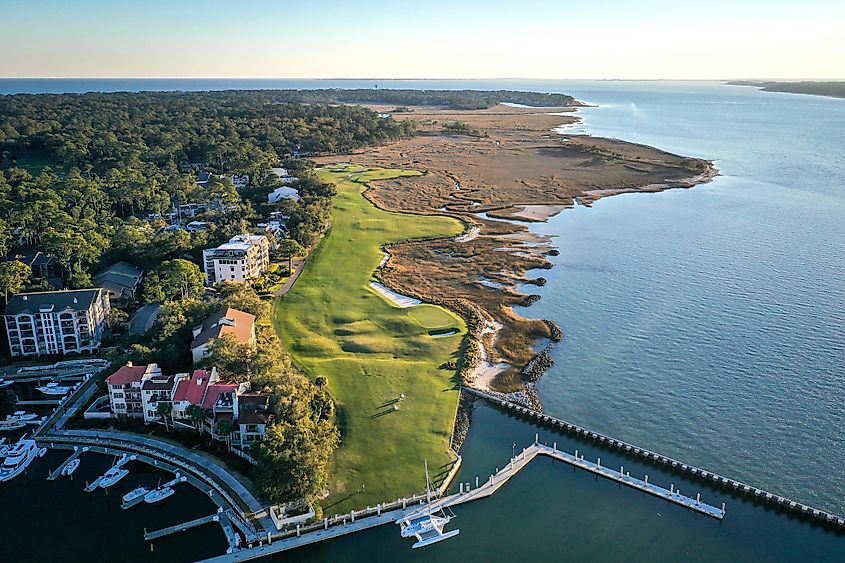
(149, 536)
(412, 507)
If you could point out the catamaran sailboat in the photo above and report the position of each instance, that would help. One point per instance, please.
(427, 526)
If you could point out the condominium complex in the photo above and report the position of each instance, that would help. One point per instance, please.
(138, 391)
(244, 258)
(56, 322)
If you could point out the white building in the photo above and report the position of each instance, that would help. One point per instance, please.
(283, 192)
(135, 391)
(244, 258)
(224, 322)
(56, 322)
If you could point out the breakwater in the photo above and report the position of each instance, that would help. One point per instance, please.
(813, 514)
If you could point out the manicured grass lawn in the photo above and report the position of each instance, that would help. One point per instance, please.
(371, 351)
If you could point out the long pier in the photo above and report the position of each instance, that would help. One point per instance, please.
(409, 508)
(515, 464)
(814, 514)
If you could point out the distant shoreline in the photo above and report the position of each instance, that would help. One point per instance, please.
(828, 89)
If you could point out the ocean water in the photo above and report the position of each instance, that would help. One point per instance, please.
(705, 324)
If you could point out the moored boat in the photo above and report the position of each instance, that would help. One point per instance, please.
(426, 526)
(5, 383)
(11, 424)
(158, 494)
(18, 459)
(23, 416)
(112, 476)
(54, 389)
(135, 494)
(68, 469)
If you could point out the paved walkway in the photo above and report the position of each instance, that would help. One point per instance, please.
(297, 267)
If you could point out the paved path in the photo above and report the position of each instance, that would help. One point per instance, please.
(297, 266)
(143, 319)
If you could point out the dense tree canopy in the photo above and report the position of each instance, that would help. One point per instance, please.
(91, 177)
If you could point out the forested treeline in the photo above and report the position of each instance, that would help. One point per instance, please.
(457, 99)
(79, 173)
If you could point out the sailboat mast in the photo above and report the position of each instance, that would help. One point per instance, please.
(427, 488)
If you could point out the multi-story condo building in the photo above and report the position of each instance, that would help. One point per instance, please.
(242, 259)
(56, 322)
(135, 391)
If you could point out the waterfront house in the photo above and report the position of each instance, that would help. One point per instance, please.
(124, 387)
(243, 259)
(190, 390)
(56, 322)
(226, 321)
(121, 281)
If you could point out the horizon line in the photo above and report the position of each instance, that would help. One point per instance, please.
(786, 79)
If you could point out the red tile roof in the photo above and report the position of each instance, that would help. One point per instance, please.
(126, 374)
(223, 322)
(193, 390)
(214, 390)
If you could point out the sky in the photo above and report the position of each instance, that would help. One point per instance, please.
(558, 39)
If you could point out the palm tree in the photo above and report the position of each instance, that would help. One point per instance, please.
(197, 416)
(163, 409)
(224, 428)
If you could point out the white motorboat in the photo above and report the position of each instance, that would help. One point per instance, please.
(112, 476)
(158, 494)
(23, 416)
(5, 383)
(426, 526)
(135, 494)
(68, 469)
(54, 389)
(11, 424)
(18, 459)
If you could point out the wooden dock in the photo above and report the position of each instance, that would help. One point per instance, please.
(497, 480)
(411, 507)
(40, 403)
(149, 536)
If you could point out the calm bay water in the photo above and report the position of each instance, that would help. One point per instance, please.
(705, 324)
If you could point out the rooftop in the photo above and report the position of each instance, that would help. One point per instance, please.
(158, 383)
(193, 390)
(225, 321)
(129, 373)
(215, 390)
(55, 301)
